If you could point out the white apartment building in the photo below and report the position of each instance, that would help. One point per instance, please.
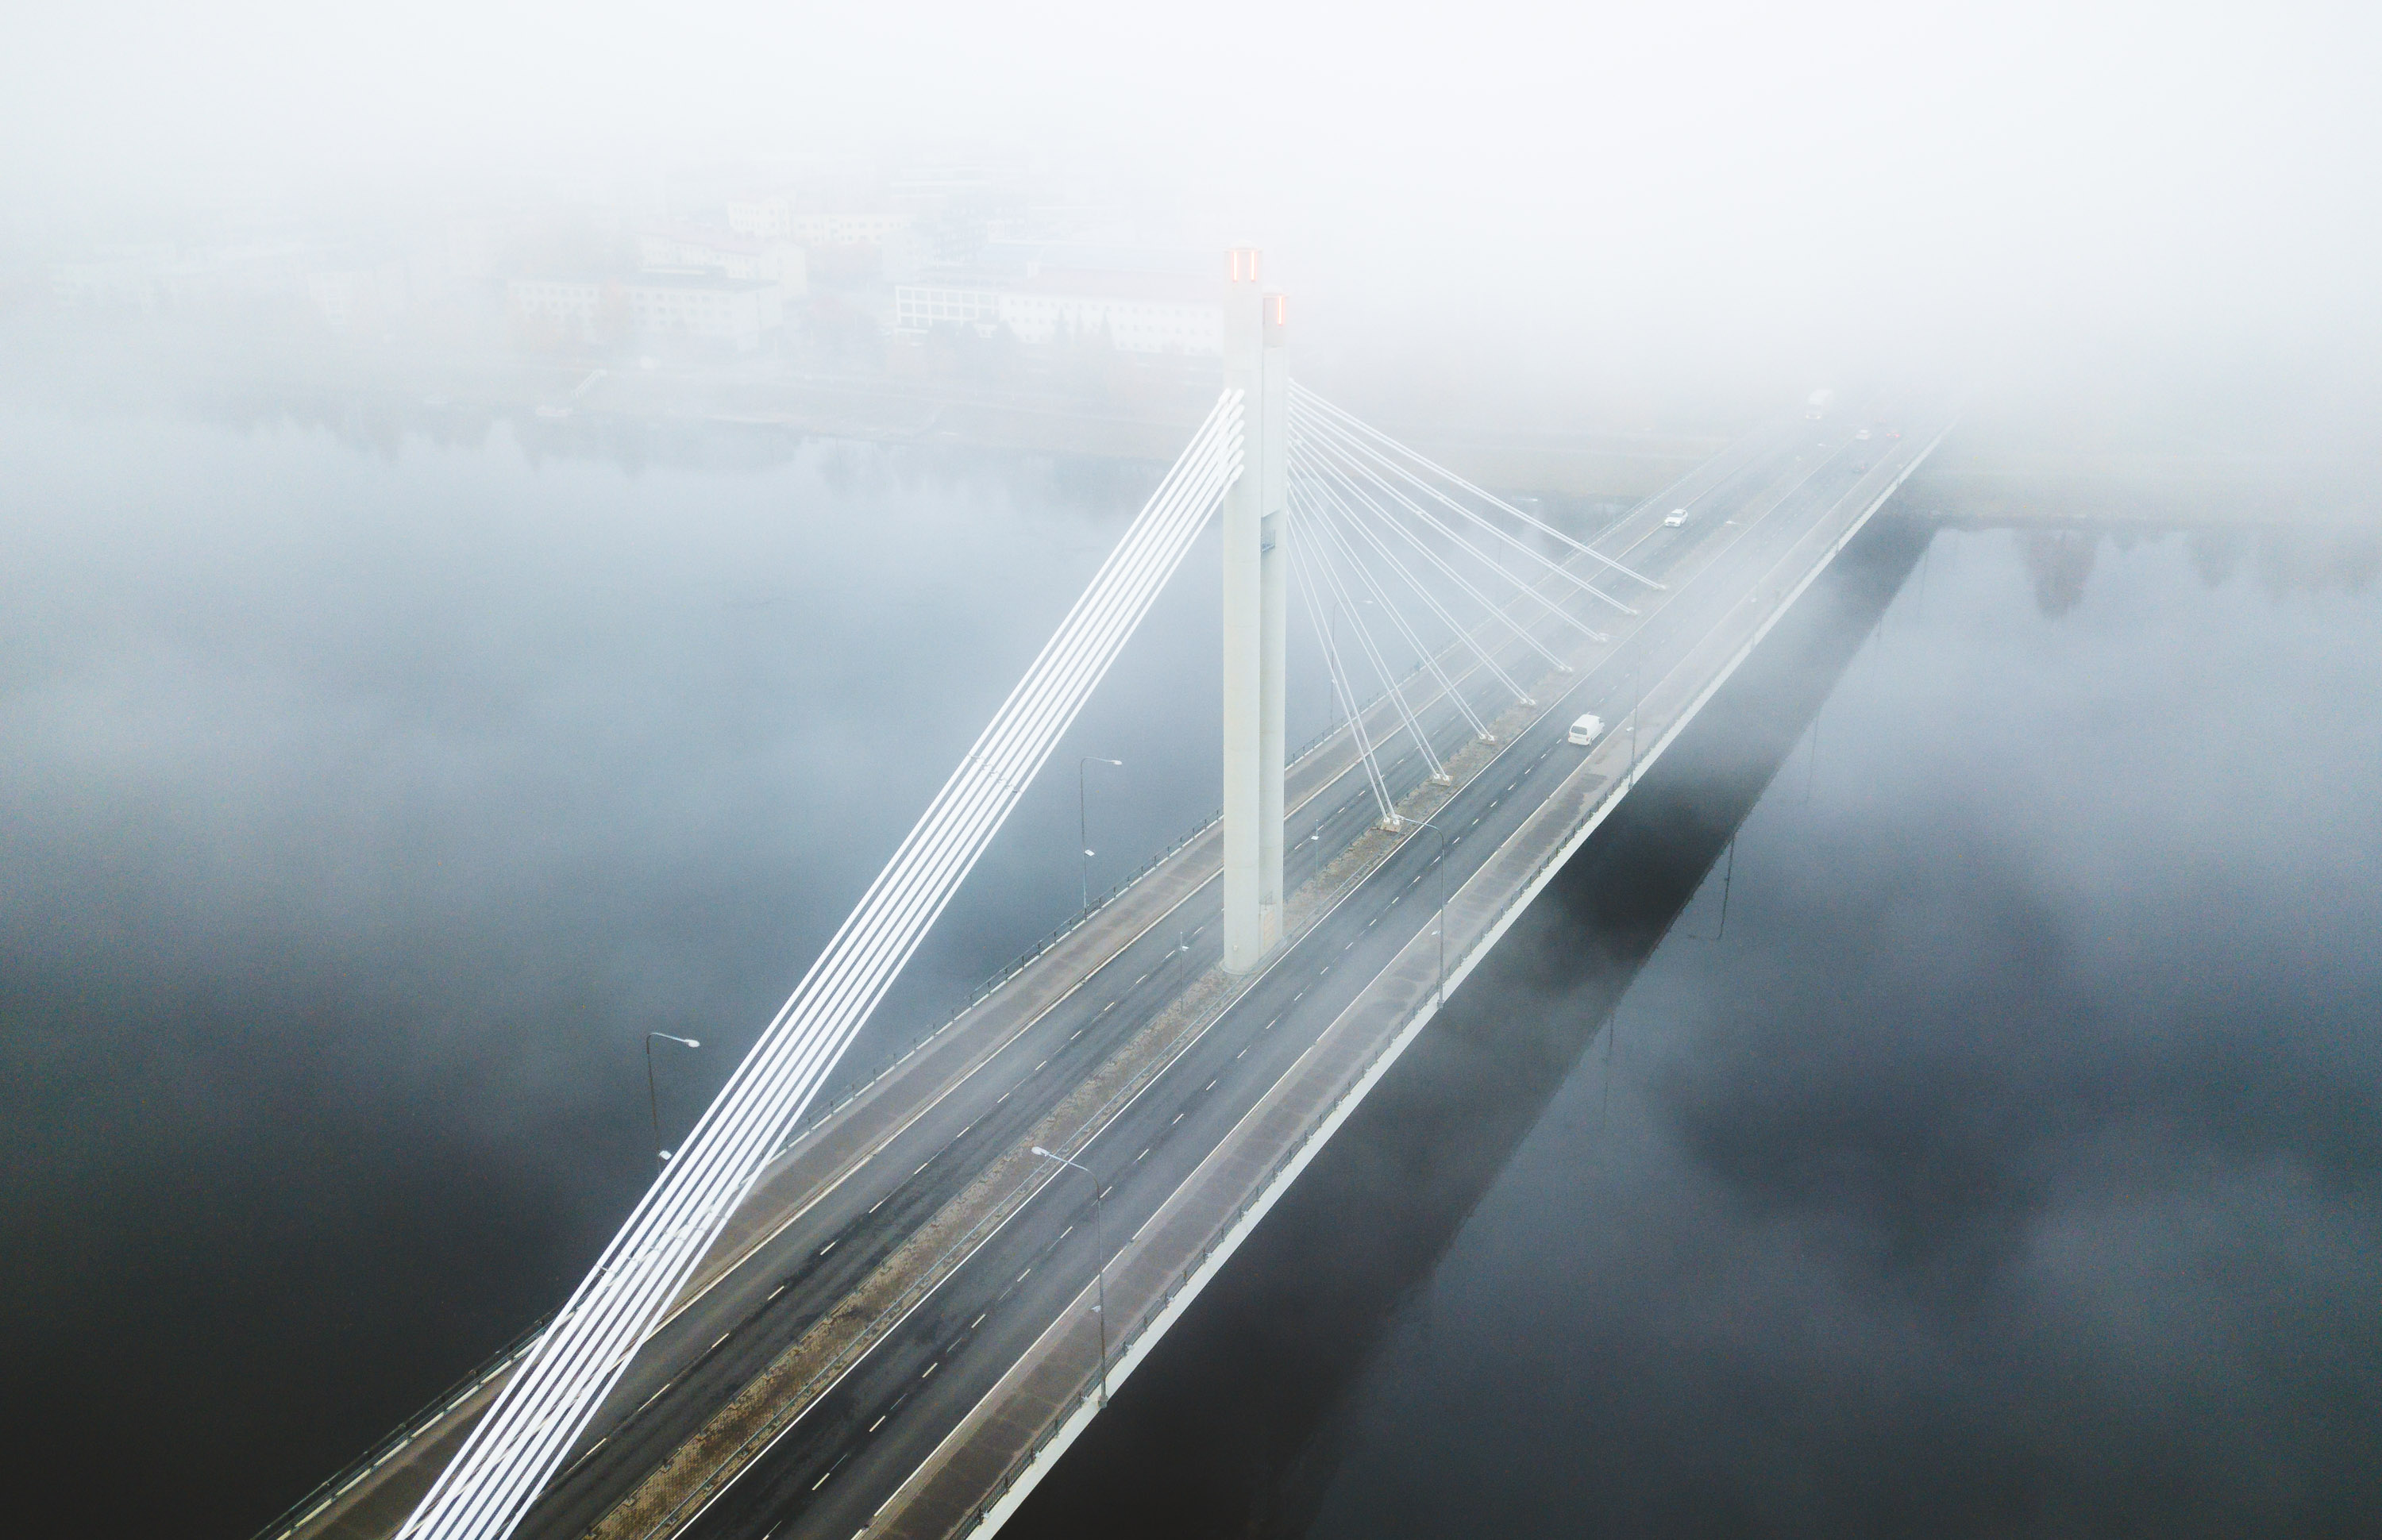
(847, 228)
(656, 306)
(750, 258)
(1139, 313)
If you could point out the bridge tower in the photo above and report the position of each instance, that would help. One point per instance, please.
(1256, 617)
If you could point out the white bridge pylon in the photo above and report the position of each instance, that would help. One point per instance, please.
(1267, 450)
(1256, 563)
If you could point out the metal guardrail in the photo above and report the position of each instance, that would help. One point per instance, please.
(1524, 891)
(295, 1516)
(291, 1518)
(1522, 894)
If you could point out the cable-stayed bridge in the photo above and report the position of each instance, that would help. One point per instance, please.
(888, 1317)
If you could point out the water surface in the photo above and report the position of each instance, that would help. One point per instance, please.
(2011, 1163)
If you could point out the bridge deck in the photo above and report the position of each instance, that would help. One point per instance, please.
(896, 1336)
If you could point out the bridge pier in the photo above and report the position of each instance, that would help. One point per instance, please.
(1256, 617)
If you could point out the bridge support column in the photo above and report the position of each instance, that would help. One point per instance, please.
(1256, 617)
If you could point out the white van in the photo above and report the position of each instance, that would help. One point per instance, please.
(1586, 729)
(1677, 517)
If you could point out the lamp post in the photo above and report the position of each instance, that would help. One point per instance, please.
(1100, 1305)
(653, 1103)
(1083, 826)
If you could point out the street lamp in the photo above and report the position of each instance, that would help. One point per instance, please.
(1083, 830)
(653, 1103)
(1100, 1307)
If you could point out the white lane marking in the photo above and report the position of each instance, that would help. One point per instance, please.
(1211, 1085)
(723, 1337)
(879, 1422)
(830, 1245)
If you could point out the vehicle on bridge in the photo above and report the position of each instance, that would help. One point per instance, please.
(1588, 729)
(1677, 518)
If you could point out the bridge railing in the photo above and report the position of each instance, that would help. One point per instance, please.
(339, 1482)
(1522, 893)
(344, 1479)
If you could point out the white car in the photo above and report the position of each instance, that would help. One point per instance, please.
(1677, 517)
(1863, 434)
(1586, 727)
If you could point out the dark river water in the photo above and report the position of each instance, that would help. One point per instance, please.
(2009, 1163)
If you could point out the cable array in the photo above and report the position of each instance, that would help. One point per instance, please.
(515, 1446)
(1377, 528)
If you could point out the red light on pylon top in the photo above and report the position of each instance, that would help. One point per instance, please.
(1280, 309)
(1245, 265)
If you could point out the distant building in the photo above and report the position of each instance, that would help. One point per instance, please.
(762, 215)
(652, 305)
(846, 226)
(754, 259)
(1137, 312)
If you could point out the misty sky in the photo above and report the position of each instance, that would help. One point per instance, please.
(2004, 190)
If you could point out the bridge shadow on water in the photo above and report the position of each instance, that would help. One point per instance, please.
(1236, 1423)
